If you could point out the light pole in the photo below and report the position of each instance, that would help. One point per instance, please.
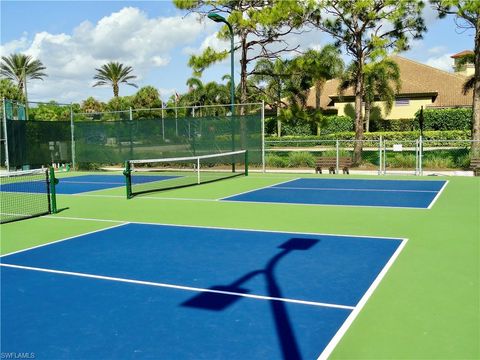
(218, 18)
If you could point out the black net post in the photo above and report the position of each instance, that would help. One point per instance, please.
(53, 194)
(128, 179)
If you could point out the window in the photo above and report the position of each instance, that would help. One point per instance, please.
(402, 102)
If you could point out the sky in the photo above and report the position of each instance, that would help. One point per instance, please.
(73, 38)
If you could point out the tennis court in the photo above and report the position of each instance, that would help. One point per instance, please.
(84, 183)
(227, 281)
(351, 192)
(182, 274)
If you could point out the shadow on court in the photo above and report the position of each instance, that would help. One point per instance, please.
(218, 302)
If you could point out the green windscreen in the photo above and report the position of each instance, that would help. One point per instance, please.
(103, 143)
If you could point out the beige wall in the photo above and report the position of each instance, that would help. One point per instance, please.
(398, 111)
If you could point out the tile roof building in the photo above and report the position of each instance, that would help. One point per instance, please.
(422, 85)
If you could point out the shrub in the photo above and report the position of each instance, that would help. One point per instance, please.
(401, 161)
(275, 161)
(301, 159)
(392, 125)
(445, 119)
(297, 129)
(438, 162)
(335, 124)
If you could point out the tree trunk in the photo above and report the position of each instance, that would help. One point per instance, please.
(243, 90)
(115, 90)
(476, 95)
(318, 93)
(357, 150)
(368, 107)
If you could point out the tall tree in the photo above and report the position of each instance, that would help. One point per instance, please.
(114, 74)
(257, 25)
(368, 30)
(92, 105)
(20, 67)
(382, 82)
(270, 77)
(321, 65)
(147, 97)
(467, 13)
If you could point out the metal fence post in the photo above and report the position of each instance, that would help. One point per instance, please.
(72, 134)
(5, 134)
(263, 136)
(337, 151)
(420, 160)
(380, 156)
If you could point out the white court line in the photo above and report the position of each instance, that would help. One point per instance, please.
(68, 238)
(438, 195)
(142, 197)
(347, 189)
(222, 228)
(91, 182)
(180, 287)
(343, 329)
(264, 187)
(321, 205)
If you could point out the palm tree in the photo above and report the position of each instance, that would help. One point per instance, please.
(274, 76)
(321, 66)
(20, 67)
(382, 81)
(114, 73)
(469, 83)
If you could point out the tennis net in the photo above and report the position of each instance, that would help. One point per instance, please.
(24, 194)
(143, 176)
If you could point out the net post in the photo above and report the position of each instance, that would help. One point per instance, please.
(198, 170)
(53, 194)
(246, 162)
(128, 179)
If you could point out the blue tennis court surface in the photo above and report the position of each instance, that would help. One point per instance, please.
(173, 292)
(350, 192)
(85, 183)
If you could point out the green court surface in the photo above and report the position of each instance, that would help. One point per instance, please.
(426, 307)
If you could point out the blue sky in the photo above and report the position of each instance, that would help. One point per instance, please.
(72, 38)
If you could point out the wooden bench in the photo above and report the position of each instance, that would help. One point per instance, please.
(344, 163)
(475, 166)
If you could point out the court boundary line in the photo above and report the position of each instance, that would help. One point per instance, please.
(438, 195)
(179, 287)
(335, 340)
(223, 228)
(229, 198)
(261, 188)
(122, 223)
(328, 205)
(347, 189)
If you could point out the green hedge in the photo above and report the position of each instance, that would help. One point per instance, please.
(445, 119)
(393, 125)
(436, 136)
(334, 124)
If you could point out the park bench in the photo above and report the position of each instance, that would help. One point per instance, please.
(344, 163)
(475, 166)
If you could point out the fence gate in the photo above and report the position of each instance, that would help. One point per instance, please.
(401, 157)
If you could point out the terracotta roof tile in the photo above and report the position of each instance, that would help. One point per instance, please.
(417, 79)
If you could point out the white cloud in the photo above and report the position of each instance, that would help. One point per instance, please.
(442, 62)
(128, 36)
(436, 50)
